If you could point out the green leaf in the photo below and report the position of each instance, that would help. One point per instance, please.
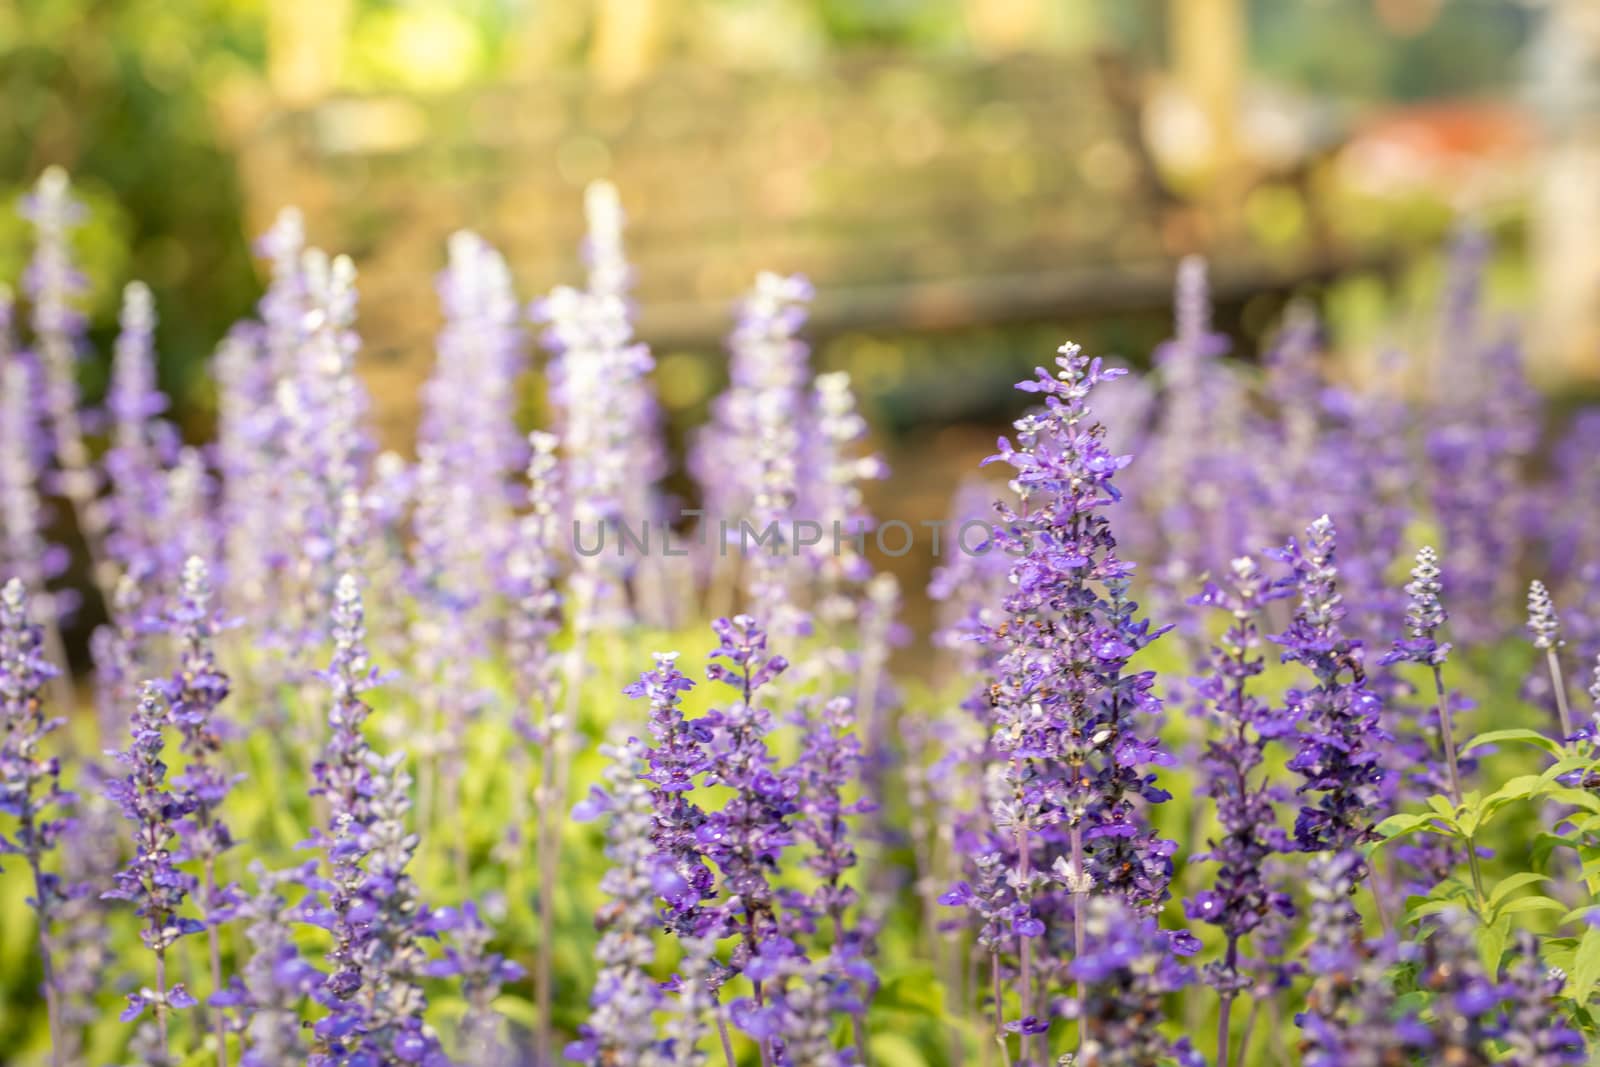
(1529, 737)
(1585, 966)
(1492, 944)
(1578, 798)
(1512, 883)
(1443, 807)
(1523, 905)
(1400, 825)
(1518, 788)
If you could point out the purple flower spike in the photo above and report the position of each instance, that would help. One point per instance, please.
(621, 1027)
(481, 973)
(368, 902)
(1241, 900)
(1127, 967)
(276, 980)
(1340, 741)
(30, 780)
(151, 881)
(1350, 1012)
(141, 445)
(1071, 755)
(57, 289)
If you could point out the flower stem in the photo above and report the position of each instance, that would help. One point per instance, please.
(1025, 980)
(1560, 685)
(553, 790)
(727, 1042)
(1447, 735)
(1224, 1038)
(1079, 898)
(999, 1008)
(52, 996)
(1249, 1028)
(161, 996)
(214, 947)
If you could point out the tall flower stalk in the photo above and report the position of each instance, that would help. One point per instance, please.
(371, 907)
(276, 979)
(621, 1026)
(30, 781)
(58, 288)
(1545, 627)
(1340, 740)
(24, 552)
(1241, 900)
(1064, 708)
(152, 881)
(194, 694)
(135, 460)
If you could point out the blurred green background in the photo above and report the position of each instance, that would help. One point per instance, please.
(160, 109)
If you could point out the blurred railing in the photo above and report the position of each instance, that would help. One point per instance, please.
(923, 195)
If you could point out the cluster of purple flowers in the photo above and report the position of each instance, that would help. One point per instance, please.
(755, 882)
(1242, 900)
(707, 875)
(1067, 818)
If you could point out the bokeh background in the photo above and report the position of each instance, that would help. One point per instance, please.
(967, 182)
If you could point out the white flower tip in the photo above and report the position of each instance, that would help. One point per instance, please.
(54, 182)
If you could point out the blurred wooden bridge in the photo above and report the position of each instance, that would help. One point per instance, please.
(918, 196)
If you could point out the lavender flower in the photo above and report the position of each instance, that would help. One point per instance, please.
(1340, 744)
(30, 781)
(1536, 1031)
(834, 496)
(621, 1026)
(970, 581)
(1425, 615)
(276, 979)
(1350, 1015)
(1127, 966)
(747, 836)
(536, 611)
(284, 305)
(765, 359)
(767, 429)
(195, 692)
(1434, 856)
(151, 881)
(24, 552)
(248, 432)
(1197, 463)
(1543, 623)
(57, 289)
(680, 754)
(717, 870)
(481, 974)
(829, 764)
(469, 428)
(696, 984)
(594, 363)
(1240, 900)
(134, 462)
(1064, 711)
(634, 401)
(373, 909)
(331, 405)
